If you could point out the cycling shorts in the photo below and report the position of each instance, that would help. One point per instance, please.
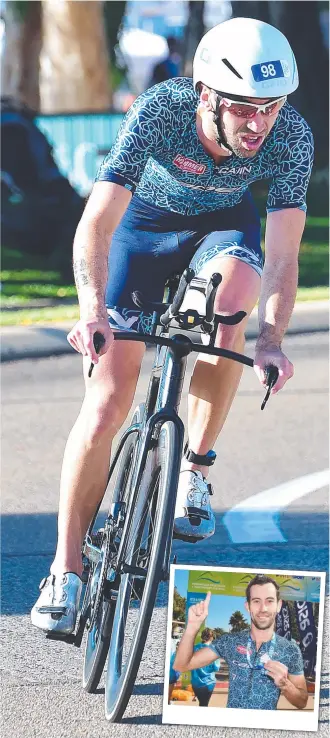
(151, 244)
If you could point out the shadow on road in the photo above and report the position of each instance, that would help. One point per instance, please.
(141, 689)
(152, 689)
(28, 546)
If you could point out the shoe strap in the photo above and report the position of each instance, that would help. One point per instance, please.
(196, 512)
(47, 580)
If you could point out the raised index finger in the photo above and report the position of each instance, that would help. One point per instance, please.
(207, 599)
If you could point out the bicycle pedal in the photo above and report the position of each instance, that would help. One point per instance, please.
(186, 539)
(64, 637)
(54, 610)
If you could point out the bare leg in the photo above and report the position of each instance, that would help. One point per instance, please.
(108, 398)
(215, 380)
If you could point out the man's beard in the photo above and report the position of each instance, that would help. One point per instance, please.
(232, 143)
(265, 624)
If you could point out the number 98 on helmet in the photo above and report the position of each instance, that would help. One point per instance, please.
(243, 57)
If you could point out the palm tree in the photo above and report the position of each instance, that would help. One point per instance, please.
(179, 606)
(237, 622)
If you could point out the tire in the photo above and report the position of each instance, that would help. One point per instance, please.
(152, 516)
(98, 637)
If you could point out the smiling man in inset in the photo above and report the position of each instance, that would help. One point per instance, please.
(262, 665)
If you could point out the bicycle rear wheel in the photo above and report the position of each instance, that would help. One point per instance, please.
(148, 538)
(98, 638)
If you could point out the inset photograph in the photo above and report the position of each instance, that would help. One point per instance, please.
(244, 648)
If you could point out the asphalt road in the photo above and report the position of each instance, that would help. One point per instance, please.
(257, 451)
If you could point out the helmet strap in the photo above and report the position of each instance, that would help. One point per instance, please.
(217, 121)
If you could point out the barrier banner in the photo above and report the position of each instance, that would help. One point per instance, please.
(308, 635)
(279, 623)
(283, 622)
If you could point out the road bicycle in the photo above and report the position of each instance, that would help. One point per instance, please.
(126, 560)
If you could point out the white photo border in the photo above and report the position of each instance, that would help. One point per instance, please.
(216, 716)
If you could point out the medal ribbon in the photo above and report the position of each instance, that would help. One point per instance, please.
(269, 651)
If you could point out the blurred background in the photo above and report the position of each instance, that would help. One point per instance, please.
(71, 69)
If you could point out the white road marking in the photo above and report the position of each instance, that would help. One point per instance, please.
(256, 518)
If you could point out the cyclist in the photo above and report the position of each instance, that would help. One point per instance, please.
(262, 665)
(172, 191)
(203, 679)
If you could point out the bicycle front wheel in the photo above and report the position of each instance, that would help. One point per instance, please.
(147, 541)
(98, 637)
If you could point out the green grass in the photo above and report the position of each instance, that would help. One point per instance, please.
(20, 293)
(71, 312)
(41, 315)
(26, 277)
(22, 281)
(312, 293)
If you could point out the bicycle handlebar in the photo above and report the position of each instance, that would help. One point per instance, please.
(199, 348)
(271, 371)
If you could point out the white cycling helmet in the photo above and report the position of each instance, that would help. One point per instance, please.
(246, 58)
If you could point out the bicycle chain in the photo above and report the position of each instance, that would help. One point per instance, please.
(107, 544)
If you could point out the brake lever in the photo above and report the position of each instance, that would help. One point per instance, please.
(98, 341)
(271, 373)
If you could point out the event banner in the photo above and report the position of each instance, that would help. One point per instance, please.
(308, 635)
(292, 588)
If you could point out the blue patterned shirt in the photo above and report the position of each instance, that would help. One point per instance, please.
(251, 688)
(158, 154)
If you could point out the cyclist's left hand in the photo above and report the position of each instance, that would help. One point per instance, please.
(272, 355)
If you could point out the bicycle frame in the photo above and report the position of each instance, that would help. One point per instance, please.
(162, 404)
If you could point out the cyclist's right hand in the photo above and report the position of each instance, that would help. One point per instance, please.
(82, 333)
(198, 613)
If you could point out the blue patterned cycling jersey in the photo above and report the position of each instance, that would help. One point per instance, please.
(249, 686)
(158, 153)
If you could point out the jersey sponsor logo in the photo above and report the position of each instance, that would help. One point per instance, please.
(235, 170)
(241, 649)
(188, 165)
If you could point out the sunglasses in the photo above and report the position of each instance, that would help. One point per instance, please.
(249, 110)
